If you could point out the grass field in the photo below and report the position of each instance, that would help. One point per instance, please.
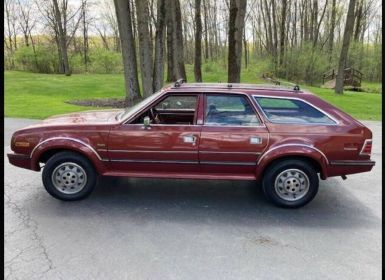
(30, 95)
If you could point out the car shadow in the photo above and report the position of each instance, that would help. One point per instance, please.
(239, 203)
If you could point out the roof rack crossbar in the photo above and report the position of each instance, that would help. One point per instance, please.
(179, 82)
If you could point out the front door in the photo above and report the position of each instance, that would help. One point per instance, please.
(169, 145)
(232, 137)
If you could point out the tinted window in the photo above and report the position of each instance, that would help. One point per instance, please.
(175, 102)
(291, 111)
(229, 110)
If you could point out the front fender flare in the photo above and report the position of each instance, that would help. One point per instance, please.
(66, 143)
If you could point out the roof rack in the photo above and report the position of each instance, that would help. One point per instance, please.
(281, 87)
(179, 82)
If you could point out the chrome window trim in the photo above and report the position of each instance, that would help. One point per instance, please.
(162, 96)
(336, 122)
(289, 145)
(247, 96)
(66, 138)
(236, 126)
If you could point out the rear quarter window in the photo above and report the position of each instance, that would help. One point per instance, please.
(283, 110)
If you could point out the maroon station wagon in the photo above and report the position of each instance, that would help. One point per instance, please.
(283, 137)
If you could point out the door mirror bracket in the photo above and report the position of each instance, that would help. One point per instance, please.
(147, 123)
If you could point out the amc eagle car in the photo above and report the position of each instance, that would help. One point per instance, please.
(284, 137)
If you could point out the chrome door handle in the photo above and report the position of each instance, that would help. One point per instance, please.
(255, 140)
(190, 139)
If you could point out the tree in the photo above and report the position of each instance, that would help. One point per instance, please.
(159, 46)
(175, 60)
(123, 15)
(145, 46)
(85, 24)
(198, 42)
(339, 88)
(332, 29)
(236, 25)
(282, 32)
(62, 34)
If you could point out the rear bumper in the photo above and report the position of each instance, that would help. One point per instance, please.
(23, 161)
(345, 167)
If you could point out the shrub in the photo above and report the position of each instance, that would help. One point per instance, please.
(104, 61)
(42, 60)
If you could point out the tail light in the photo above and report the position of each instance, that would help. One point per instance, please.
(366, 148)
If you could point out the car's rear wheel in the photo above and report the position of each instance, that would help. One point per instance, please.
(69, 176)
(290, 183)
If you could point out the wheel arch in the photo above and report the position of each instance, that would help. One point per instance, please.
(46, 149)
(309, 154)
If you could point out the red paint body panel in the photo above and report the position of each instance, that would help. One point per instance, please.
(119, 147)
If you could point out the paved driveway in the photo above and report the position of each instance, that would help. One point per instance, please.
(181, 229)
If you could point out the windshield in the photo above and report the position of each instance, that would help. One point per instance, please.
(128, 112)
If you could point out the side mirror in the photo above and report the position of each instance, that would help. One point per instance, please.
(146, 122)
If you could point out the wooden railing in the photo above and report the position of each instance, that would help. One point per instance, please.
(352, 77)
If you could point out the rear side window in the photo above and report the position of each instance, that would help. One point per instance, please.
(283, 110)
(229, 110)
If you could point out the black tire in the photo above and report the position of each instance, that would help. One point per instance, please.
(87, 184)
(280, 168)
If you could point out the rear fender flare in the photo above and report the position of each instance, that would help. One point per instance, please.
(292, 150)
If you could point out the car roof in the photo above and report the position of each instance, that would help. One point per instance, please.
(273, 90)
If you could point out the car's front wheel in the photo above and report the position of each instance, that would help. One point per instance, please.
(290, 183)
(69, 176)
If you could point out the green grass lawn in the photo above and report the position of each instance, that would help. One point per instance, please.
(30, 95)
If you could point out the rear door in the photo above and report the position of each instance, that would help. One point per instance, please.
(232, 137)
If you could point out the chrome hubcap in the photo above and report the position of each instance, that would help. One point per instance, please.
(69, 178)
(292, 184)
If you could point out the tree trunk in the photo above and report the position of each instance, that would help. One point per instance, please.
(170, 53)
(159, 46)
(275, 34)
(85, 35)
(123, 15)
(145, 48)
(236, 25)
(358, 16)
(62, 39)
(282, 35)
(206, 30)
(198, 42)
(332, 29)
(176, 69)
(345, 47)
(179, 42)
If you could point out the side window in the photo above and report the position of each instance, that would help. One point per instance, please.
(173, 110)
(229, 110)
(178, 102)
(283, 110)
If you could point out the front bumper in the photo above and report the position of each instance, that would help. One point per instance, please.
(23, 161)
